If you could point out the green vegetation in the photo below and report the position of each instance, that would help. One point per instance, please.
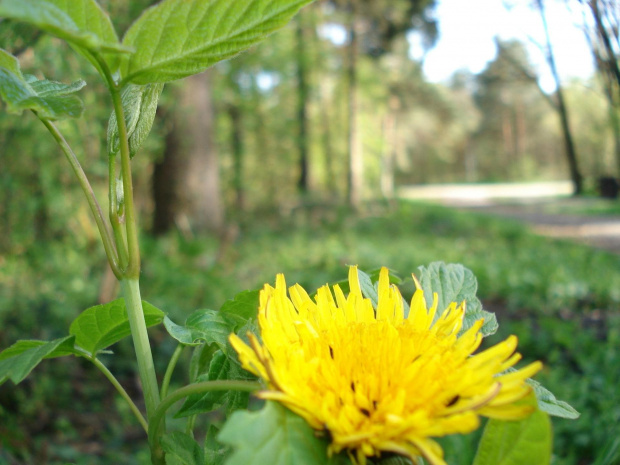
(558, 297)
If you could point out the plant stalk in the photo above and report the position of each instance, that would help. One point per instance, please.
(133, 268)
(115, 218)
(146, 367)
(134, 408)
(104, 231)
(173, 363)
(131, 273)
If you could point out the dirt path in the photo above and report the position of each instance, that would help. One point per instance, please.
(602, 232)
(540, 205)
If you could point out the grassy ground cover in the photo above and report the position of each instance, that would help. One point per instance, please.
(560, 298)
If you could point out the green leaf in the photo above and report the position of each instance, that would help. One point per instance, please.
(215, 452)
(368, 289)
(526, 441)
(45, 88)
(181, 449)
(101, 326)
(221, 367)
(17, 361)
(139, 107)
(202, 326)
(51, 100)
(241, 309)
(201, 359)
(202, 403)
(178, 38)
(548, 403)
(80, 22)
(455, 283)
(274, 436)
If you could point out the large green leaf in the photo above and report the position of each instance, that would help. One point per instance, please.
(49, 99)
(241, 309)
(178, 38)
(223, 366)
(455, 283)
(181, 449)
(202, 326)
(17, 361)
(526, 441)
(274, 436)
(80, 22)
(101, 326)
(139, 107)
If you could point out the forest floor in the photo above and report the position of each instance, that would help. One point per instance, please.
(546, 207)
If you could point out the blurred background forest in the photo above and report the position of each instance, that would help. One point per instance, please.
(290, 158)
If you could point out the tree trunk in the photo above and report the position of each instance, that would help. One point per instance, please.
(612, 61)
(356, 167)
(166, 174)
(186, 188)
(236, 142)
(302, 106)
(569, 145)
(202, 174)
(387, 160)
(326, 140)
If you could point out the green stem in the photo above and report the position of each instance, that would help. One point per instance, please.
(189, 426)
(133, 269)
(104, 232)
(173, 362)
(115, 219)
(131, 273)
(197, 388)
(146, 367)
(108, 374)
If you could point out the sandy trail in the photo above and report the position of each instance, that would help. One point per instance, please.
(544, 206)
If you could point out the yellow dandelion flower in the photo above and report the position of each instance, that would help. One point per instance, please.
(375, 380)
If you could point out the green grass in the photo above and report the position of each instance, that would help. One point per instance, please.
(560, 298)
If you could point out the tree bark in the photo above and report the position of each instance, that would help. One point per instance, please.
(202, 197)
(166, 175)
(236, 142)
(186, 187)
